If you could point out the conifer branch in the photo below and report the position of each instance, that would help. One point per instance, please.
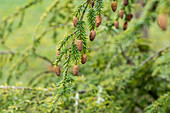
(38, 75)
(45, 58)
(128, 60)
(160, 105)
(24, 88)
(153, 56)
(87, 2)
(7, 52)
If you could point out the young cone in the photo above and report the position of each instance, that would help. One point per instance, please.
(84, 59)
(129, 16)
(116, 23)
(121, 13)
(114, 6)
(125, 25)
(75, 21)
(162, 21)
(98, 21)
(79, 45)
(125, 2)
(75, 70)
(57, 53)
(92, 35)
(57, 70)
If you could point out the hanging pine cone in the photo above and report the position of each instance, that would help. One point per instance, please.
(129, 16)
(84, 59)
(162, 21)
(75, 21)
(92, 4)
(79, 45)
(57, 70)
(121, 13)
(57, 53)
(125, 25)
(114, 6)
(98, 21)
(92, 35)
(125, 2)
(116, 23)
(75, 70)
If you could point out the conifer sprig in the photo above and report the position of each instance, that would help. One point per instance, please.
(160, 105)
(98, 7)
(91, 19)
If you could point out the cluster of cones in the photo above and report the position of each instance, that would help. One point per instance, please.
(129, 16)
(92, 36)
(162, 22)
(76, 67)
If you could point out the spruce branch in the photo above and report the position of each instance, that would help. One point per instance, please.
(91, 19)
(24, 88)
(44, 58)
(128, 60)
(87, 3)
(98, 7)
(7, 52)
(160, 105)
(63, 42)
(80, 8)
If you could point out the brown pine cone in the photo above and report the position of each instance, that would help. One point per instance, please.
(92, 35)
(114, 6)
(75, 21)
(162, 21)
(121, 13)
(125, 2)
(116, 23)
(79, 45)
(98, 21)
(125, 25)
(129, 16)
(57, 70)
(92, 4)
(75, 70)
(84, 59)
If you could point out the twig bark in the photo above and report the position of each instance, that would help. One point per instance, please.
(84, 10)
(7, 52)
(22, 88)
(128, 60)
(38, 75)
(154, 55)
(45, 58)
(28, 88)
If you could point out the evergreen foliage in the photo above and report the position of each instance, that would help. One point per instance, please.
(123, 73)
